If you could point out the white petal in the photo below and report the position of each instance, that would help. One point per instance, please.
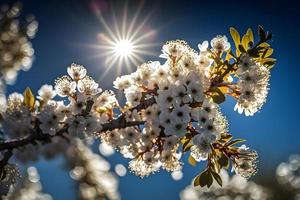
(203, 46)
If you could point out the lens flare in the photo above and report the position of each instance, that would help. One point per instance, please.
(125, 41)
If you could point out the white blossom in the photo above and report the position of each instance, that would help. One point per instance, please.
(170, 142)
(181, 114)
(196, 92)
(106, 99)
(220, 43)
(165, 98)
(202, 146)
(17, 117)
(78, 105)
(49, 120)
(64, 86)
(253, 88)
(91, 125)
(180, 94)
(46, 93)
(76, 72)
(171, 50)
(123, 82)
(88, 86)
(200, 115)
(131, 134)
(203, 47)
(176, 128)
(77, 126)
(133, 95)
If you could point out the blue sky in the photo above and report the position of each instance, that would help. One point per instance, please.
(65, 29)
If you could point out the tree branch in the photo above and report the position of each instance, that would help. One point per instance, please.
(119, 122)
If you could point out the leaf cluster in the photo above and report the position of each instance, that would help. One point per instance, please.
(219, 158)
(260, 51)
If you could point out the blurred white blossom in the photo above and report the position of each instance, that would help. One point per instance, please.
(29, 188)
(288, 175)
(16, 52)
(91, 172)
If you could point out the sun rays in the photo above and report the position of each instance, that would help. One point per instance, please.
(125, 41)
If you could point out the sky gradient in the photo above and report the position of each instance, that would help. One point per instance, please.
(66, 29)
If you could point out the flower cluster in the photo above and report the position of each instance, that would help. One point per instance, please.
(91, 173)
(235, 187)
(29, 188)
(171, 108)
(187, 89)
(245, 164)
(83, 115)
(253, 85)
(88, 107)
(17, 117)
(179, 87)
(16, 52)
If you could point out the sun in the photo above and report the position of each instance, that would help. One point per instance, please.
(124, 48)
(125, 41)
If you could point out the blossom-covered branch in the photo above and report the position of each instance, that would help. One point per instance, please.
(170, 109)
(119, 122)
(37, 136)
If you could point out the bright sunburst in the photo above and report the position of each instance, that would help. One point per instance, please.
(125, 42)
(123, 48)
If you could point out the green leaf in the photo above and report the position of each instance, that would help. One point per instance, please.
(236, 141)
(270, 62)
(245, 42)
(205, 179)
(197, 181)
(186, 145)
(269, 36)
(242, 49)
(250, 35)
(267, 53)
(210, 180)
(225, 138)
(217, 177)
(223, 161)
(29, 99)
(192, 161)
(261, 33)
(217, 95)
(229, 55)
(235, 36)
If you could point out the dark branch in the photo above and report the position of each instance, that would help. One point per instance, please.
(121, 122)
